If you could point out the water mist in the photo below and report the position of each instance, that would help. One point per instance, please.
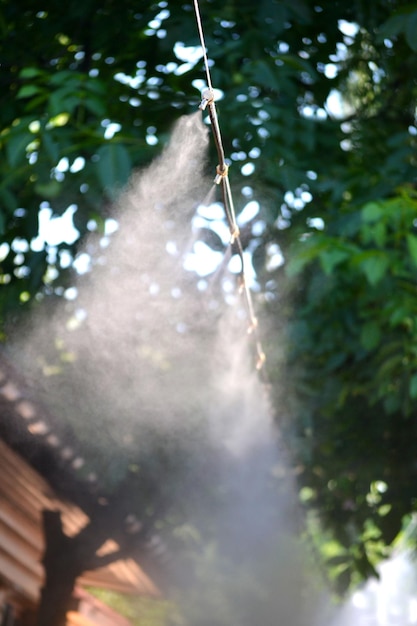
(149, 358)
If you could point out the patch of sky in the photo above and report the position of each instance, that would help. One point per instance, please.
(202, 260)
(248, 213)
(235, 267)
(313, 112)
(275, 258)
(77, 165)
(254, 153)
(154, 25)
(263, 133)
(63, 165)
(336, 106)
(133, 81)
(54, 230)
(213, 211)
(238, 156)
(330, 70)
(111, 128)
(218, 226)
(350, 29)
(82, 263)
(151, 137)
(4, 251)
(65, 259)
(247, 192)
(377, 73)
(258, 228)
(19, 245)
(298, 199)
(247, 169)
(190, 55)
(315, 222)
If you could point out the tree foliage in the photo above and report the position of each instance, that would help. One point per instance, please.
(318, 115)
(354, 367)
(271, 61)
(351, 333)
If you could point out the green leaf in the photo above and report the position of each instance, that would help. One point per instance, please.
(379, 233)
(51, 147)
(297, 63)
(66, 78)
(412, 247)
(370, 335)
(297, 262)
(63, 100)
(411, 30)
(398, 315)
(266, 75)
(391, 403)
(48, 190)
(27, 91)
(16, 147)
(372, 212)
(30, 72)
(374, 265)
(330, 258)
(8, 199)
(96, 86)
(114, 166)
(295, 265)
(413, 386)
(390, 364)
(392, 27)
(340, 559)
(276, 12)
(95, 105)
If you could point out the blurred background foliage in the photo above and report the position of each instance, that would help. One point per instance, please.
(317, 105)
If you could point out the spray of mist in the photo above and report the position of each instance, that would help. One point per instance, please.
(143, 350)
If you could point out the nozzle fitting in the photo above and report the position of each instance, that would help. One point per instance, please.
(207, 97)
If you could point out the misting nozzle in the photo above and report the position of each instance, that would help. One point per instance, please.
(221, 172)
(207, 97)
